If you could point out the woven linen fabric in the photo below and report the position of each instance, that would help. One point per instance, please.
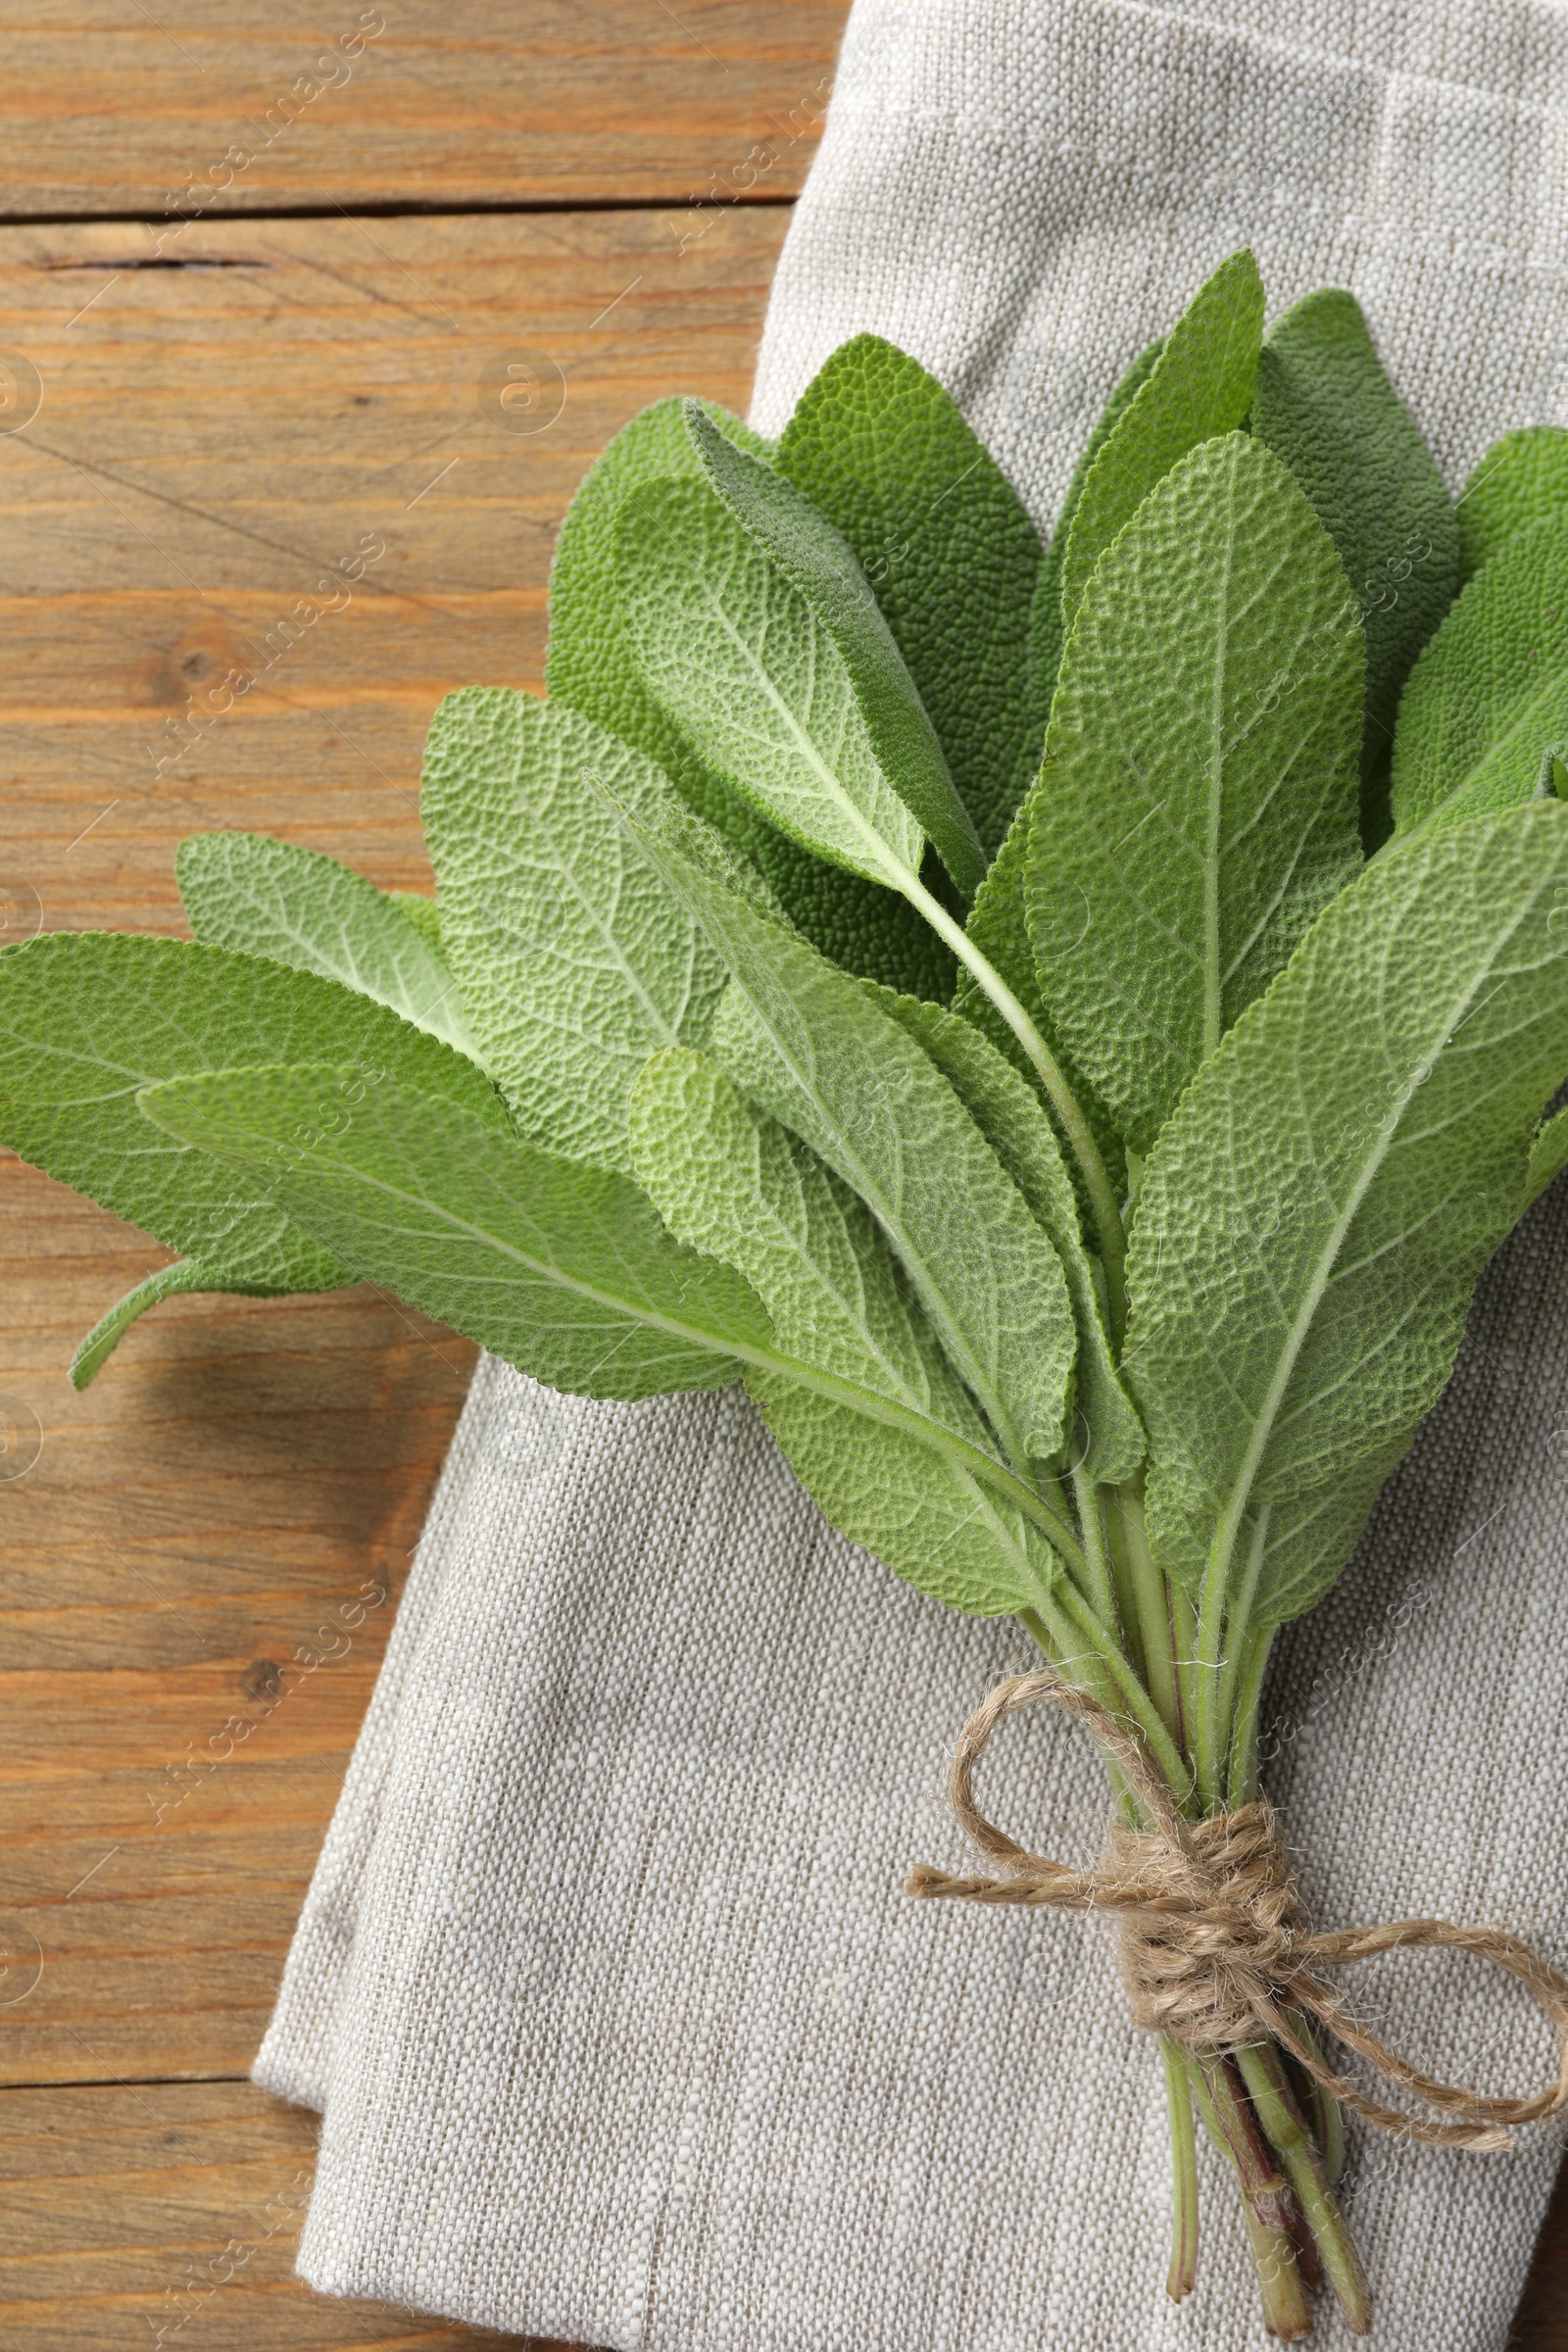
(623, 2029)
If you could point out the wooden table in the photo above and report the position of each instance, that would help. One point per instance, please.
(367, 211)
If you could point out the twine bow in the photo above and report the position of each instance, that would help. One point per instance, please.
(1216, 1949)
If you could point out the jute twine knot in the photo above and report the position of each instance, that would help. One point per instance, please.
(1215, 1947)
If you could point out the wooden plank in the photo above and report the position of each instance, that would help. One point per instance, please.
(168, 2214)
(1542, 2322)
(197, 1579)
(245, 1472)
(312, 393)
(198, 108)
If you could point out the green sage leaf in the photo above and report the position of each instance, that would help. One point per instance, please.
(884, 452)
(995, 1295)
(998, 925)
(421, 911)
(1046, 631)
(589, 660)
(863, 1094)
(1308, 1538)
(179, 1279)
(1313, 1220)
(815, 559)
(1325, 406)
(562, 1270)
(732, 1181)
(1010, 1116)
(1200, 387)
(87, 1020)
(577, 962)
(1489, 698)
(811, 1046)
(590, 665)
(1289, 1553)
(260, 897)
(736, 654)
(1522, 480)
(567, 1271)
(1199, 805)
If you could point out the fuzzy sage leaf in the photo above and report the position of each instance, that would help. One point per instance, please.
(804, 549)
(886, 454)
(1109, 1441)
(811, 1046)
(1197, 808)
(731, 1181)
(1200, 387)
(728, 644)
(756, 668)
(1523, 479)
(1313, 1219)
(592, 665)
(575, 960)
(562, 1270)
(1046, 631)
(1489, 699)
(1323, 404)
(266, 898)
(244, 1277)
(88, 1018)
(589, 661)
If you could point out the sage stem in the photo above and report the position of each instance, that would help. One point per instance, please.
(1097, 1587)
(1183, 2276)
(1221, 1628)
(1283, 2121)
(1238, 1628)
(1086, 1669)
(1126, 1597)
(1319, 2103)
(1184, 1643)
(1151, 1600)
(1105, 1206)
(1135, 1700)
(1265, 2199)
(1072, 1637)
(1244, 1778)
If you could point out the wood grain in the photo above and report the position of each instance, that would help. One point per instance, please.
(168, 2214)
(107, 108)
(249, 1473)
(198, 1576)
(213, 439)
(1542, 2325)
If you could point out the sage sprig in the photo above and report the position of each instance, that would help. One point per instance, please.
(967, 991)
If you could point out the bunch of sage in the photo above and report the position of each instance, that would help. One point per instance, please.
(1064, 1026)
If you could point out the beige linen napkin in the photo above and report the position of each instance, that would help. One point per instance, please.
(622, 2026)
